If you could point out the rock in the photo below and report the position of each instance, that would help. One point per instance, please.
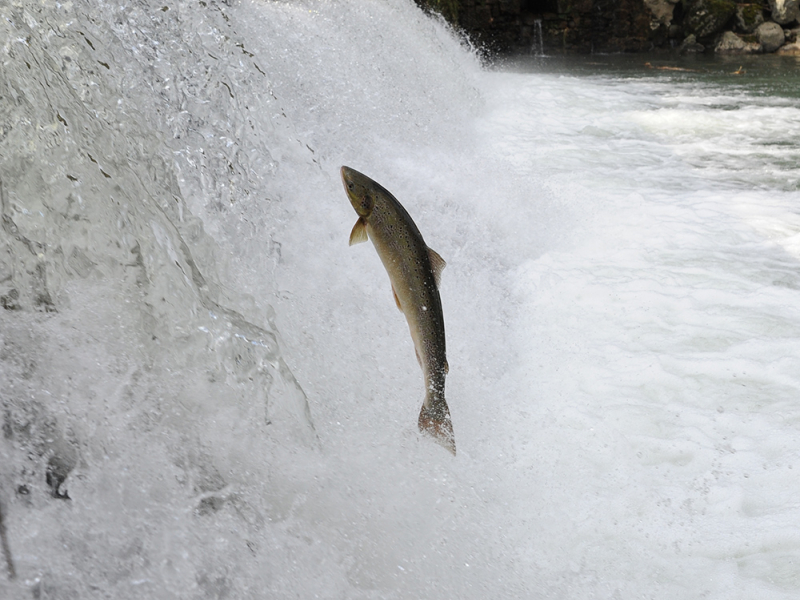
(784, 11)
(704, 18)
(662, 11)
(690, 45)
(792, 49)
(749, 16)
(730, 43)
(770, 35)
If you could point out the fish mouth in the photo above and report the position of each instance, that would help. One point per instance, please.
(345, 173)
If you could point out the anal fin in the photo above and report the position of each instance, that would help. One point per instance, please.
(396, 300)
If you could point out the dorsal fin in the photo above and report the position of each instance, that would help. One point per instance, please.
(437, 265)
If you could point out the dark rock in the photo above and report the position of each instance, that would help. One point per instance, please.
(566, 25)
(770, 35)
(730, 43)
(58, 469)
(583, 26)
(784, 11)
(749, 16)
(662, 12)
(704, 18)
(690, 45)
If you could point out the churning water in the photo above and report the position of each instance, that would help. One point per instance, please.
(206, 394)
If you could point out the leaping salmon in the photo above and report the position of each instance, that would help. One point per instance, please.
(414, 271)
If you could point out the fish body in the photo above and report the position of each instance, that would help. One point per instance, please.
(414, 271)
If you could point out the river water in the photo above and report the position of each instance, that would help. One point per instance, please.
(207, 394)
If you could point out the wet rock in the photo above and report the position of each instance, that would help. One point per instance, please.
(704, 18)
(730, 43)
(5, 549)
(690, 45)
(784, 11)
(10, 301)
(662, 12)
(792, 49)
(770, 36)
(748, 17)
(58, 469)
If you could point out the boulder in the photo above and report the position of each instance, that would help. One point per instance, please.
(749, 16)
(690, 45)
(784, 11)
(770, 36)
(792, 49)
(704, 18)
(730, 43)
(662, 11)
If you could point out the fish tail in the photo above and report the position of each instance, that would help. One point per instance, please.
(434, 420)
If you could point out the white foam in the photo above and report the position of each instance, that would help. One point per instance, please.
(620, 304)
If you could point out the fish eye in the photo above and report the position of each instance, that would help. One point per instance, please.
(350, 185)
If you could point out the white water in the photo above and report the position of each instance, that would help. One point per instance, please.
(620, 302)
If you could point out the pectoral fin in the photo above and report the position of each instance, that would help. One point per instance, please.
(437, 265)
(359, 233)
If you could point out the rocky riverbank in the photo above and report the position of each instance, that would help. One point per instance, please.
(585, 26)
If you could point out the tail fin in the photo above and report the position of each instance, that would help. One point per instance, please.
(435, 422)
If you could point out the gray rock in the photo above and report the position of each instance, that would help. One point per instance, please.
(792, 49)
(770, 35)
(661, 10)
(784, 11)
(749, 16)
(707, 17)
(730, 43)
(690, 45)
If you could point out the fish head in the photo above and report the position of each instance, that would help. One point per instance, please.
(360, 190)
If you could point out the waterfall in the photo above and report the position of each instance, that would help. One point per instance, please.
(205, 393)
(537, 45)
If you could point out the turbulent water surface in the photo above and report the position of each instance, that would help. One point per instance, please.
(206, 394)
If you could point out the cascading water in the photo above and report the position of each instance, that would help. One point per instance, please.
(537, 45)
(619, 303)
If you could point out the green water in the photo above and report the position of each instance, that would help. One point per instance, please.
(769, 75)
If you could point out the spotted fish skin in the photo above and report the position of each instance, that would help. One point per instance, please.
(414, 271)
